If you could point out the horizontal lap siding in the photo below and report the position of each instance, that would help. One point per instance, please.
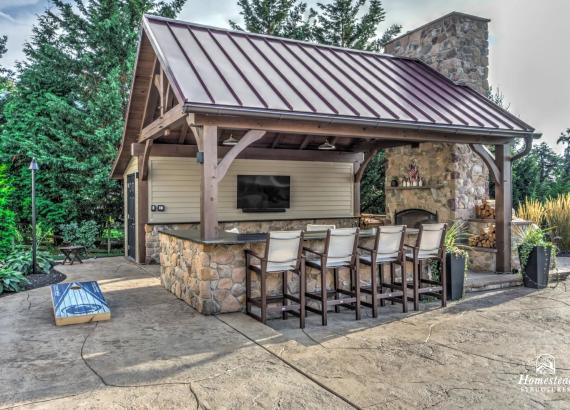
(318, 189)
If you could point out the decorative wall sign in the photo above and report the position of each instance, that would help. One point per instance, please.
(78, 302)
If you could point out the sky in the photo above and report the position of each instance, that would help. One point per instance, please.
(529, 45)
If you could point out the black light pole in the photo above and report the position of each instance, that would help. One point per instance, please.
(34, 167)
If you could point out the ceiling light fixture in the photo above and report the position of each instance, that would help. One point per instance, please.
(230, 141)
(326, 146)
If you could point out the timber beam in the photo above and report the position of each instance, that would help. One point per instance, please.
(173, 118)
(341, 130)
(176, 150)
(489, 160)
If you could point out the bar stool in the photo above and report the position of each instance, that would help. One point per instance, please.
(430, 245)
(340, 251)
(283, 254)
(388, 250)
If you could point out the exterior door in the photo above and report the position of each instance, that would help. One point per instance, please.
(131, 217)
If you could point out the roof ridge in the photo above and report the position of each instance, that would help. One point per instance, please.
(272, 37)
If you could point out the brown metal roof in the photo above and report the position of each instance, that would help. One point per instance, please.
(223, 71)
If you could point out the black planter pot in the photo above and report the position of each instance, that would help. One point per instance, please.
(455, 276)
(535, 274)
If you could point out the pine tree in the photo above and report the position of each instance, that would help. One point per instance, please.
(6, 80)
(8, 229)
(68, 107)
(344, 23)
(283, 18)
(564, 138)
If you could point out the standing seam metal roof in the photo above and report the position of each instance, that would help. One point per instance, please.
(218, 69)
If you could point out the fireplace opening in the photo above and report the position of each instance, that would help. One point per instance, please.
(414, 217)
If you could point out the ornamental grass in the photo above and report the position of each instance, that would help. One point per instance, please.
(532, 210)
(557, 218)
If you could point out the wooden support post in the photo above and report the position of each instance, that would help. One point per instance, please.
(503, 207)
(209, 183)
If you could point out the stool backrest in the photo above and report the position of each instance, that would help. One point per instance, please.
(390, 241)
(431, 239)
(341, 245)
(315, 227)
(284, 248)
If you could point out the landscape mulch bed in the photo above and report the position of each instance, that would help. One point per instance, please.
(40, 280)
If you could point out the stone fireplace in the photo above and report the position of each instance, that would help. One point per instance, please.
(455, 177)
(414, 217)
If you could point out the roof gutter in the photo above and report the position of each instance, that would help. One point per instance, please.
(278, 115)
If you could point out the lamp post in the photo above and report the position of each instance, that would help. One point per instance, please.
(34, 167)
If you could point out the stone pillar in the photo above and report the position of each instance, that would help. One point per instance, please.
(455, 45)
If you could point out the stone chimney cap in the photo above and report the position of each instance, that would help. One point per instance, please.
(452, 14)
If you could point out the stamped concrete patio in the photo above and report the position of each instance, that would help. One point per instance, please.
(157, 352)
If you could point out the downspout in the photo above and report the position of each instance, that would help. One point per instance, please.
(527, 146)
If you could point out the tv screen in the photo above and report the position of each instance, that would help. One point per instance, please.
(263, 192)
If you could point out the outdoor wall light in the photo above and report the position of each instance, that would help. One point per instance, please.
(230, 141)
(326, 146)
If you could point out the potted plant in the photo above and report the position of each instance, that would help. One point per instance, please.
(456, 260)
(535, 253)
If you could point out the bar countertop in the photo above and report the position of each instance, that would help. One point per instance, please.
(230, 238)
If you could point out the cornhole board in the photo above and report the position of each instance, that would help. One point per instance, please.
(78, 302)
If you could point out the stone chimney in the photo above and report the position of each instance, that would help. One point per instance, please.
(455, 45)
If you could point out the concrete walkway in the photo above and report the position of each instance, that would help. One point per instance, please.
(157, 352)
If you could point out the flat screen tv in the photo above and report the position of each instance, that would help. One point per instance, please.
(263, 193)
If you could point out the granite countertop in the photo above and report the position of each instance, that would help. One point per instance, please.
(230, 238)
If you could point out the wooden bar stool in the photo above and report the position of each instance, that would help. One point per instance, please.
(283, 254)
(340, 252)
(430, 246)
(388, 250)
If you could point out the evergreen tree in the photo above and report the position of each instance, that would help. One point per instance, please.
(7, 217)
(344, 23)
(68, 106)
(6, 80)
(373, 199)
(564, 139)
(283, 18)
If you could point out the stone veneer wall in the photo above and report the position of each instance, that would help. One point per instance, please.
(153, 240)
(455, 174)
(211, 278)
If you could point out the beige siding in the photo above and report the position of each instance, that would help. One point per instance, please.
(318, 189)
(132, 167)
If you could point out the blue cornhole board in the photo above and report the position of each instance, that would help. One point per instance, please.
(78, 302)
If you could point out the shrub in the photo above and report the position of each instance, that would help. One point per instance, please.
(557, 215)
(84, 234)
(11, 280)
(20, 260)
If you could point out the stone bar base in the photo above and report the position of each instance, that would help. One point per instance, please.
(211, 277)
